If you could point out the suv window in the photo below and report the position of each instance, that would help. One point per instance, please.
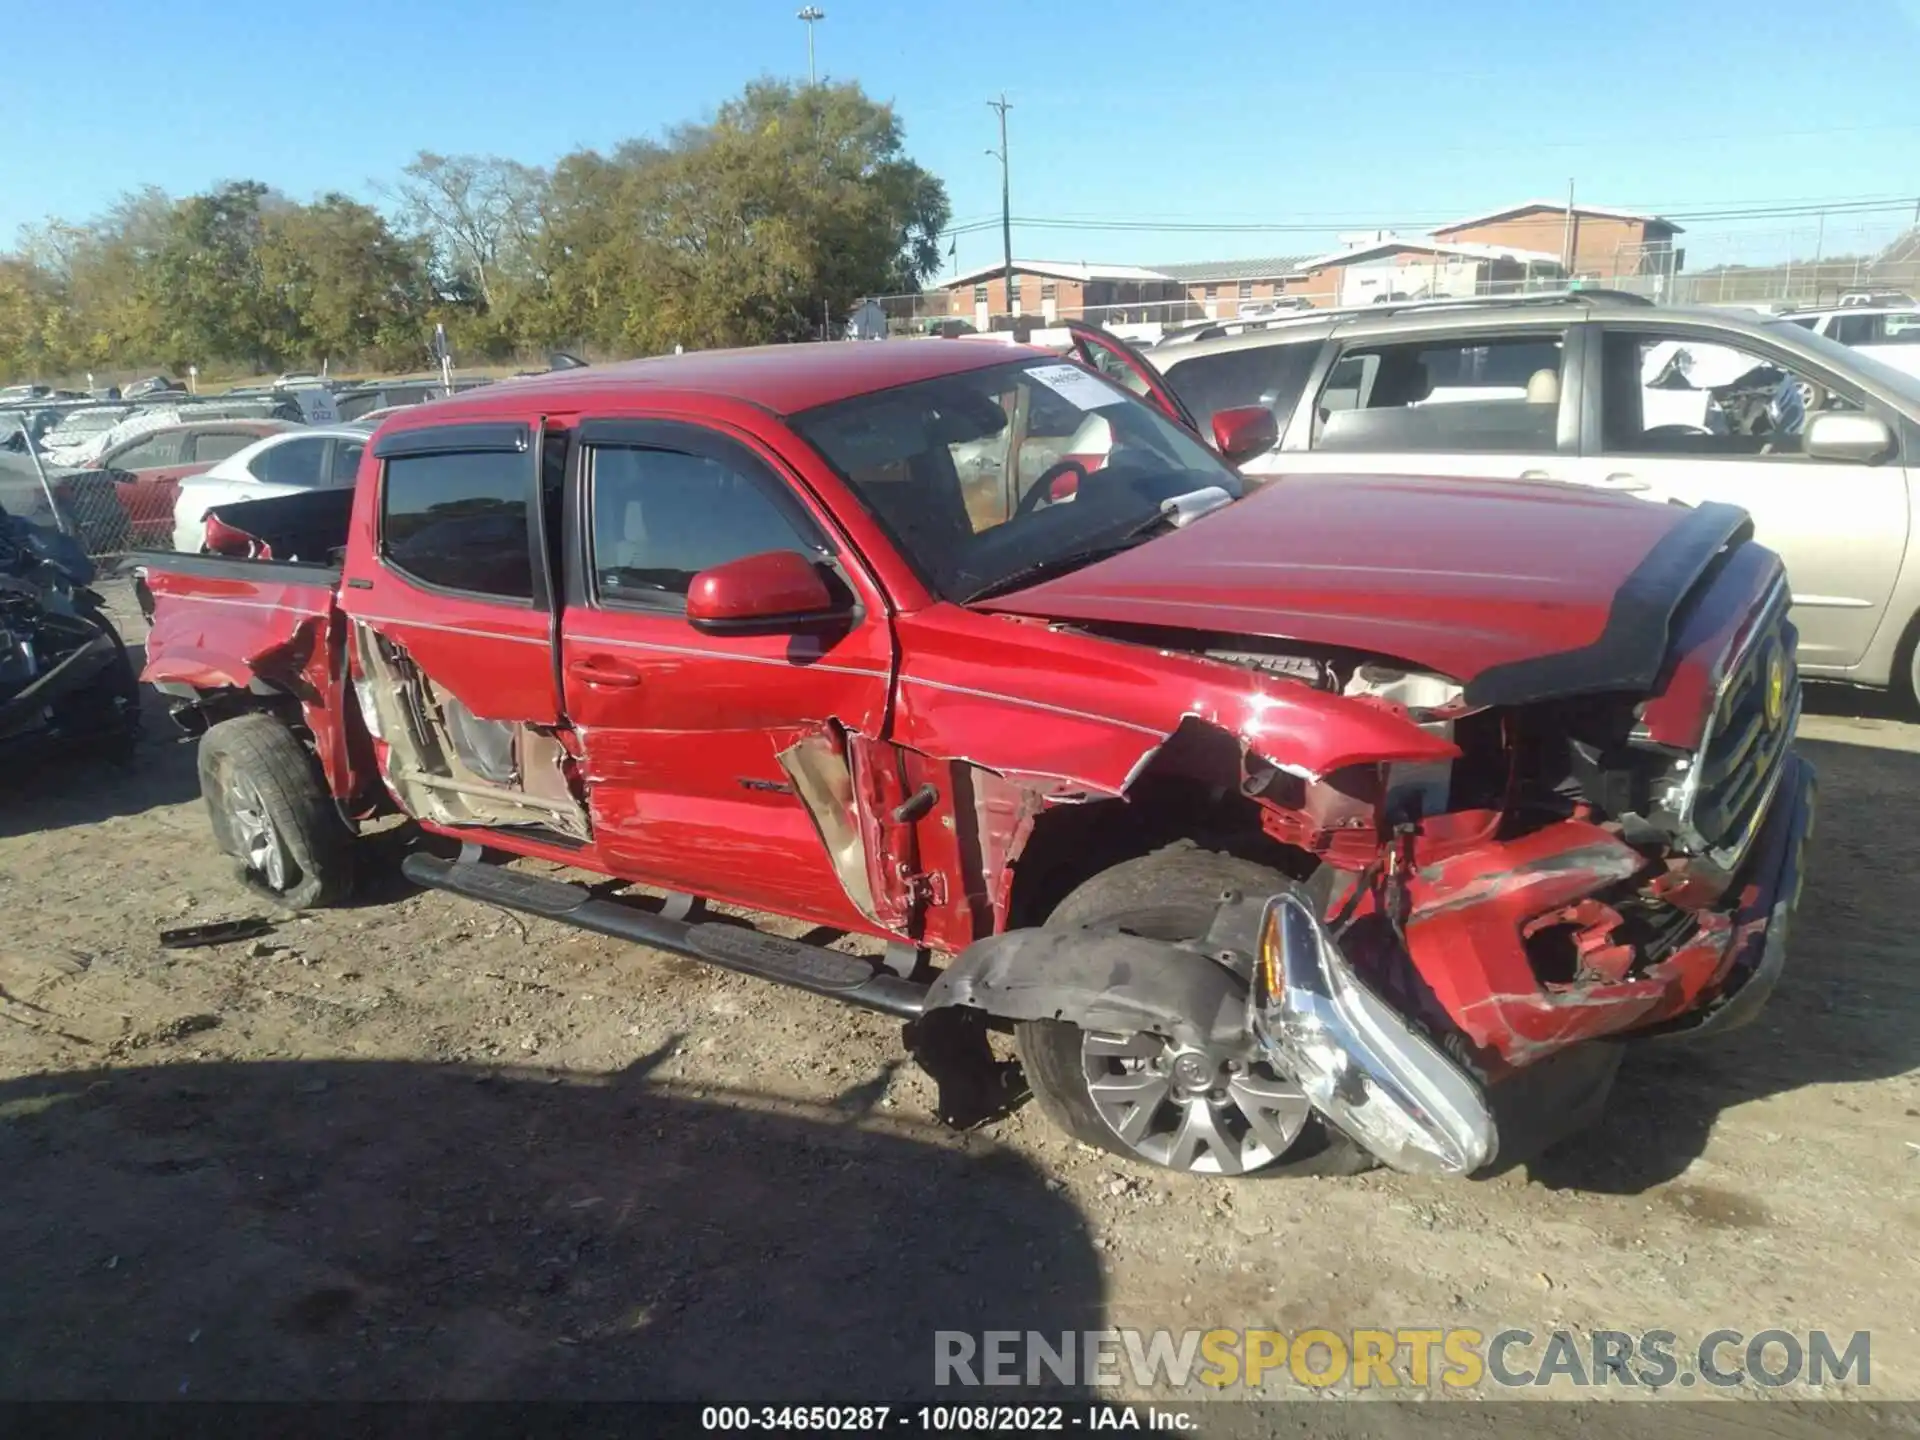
(460, 521)
(1269, 375)
(660, 517)
(1478, 393)
(148, 454)
(209, 446)
(1668, 394)
(293, 462)
(1858, 329)
(1901, 329)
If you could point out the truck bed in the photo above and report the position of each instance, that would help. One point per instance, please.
(229, 622)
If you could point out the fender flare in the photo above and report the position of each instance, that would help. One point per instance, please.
(1105, 980)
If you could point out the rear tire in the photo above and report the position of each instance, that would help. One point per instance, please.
(1140, 1097)
(272, 813)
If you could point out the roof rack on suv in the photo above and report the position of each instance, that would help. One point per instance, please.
(1593, 295)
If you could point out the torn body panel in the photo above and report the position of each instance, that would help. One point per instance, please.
(1018, 695)
(259, 631)
(443, 763)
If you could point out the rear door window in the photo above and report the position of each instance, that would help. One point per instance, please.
(148, 454)
(1494, 394)
(1858, 329)
(295, 462)
(346, 463)
(459, 521)
(209, 446)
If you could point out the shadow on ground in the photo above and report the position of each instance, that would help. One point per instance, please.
(1847, 1009)
(390, 1230)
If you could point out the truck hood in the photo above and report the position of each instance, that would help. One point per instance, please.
(1516, 589)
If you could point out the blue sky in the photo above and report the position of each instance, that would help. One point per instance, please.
(1335, 117)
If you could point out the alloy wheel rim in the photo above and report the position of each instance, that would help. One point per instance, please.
(1191, 1109)
(260, 847)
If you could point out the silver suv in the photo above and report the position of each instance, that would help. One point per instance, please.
(1818, 442)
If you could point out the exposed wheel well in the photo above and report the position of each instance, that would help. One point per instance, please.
(1190, 791)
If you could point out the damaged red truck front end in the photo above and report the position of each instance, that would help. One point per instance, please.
(1356, 813)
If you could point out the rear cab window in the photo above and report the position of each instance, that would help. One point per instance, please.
(455, 517)
(1485, 393)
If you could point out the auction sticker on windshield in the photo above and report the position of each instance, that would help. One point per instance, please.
(1072, 383)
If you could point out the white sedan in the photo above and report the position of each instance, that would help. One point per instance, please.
(313, 457)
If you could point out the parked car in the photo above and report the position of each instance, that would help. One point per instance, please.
(295, 459)
(1890, 333)
(1360, 816)
(153, 385)
(1817, 441)
(147, 468)
(80, 427)
(140, 419)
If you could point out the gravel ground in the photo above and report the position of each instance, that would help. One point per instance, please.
(423, 1148)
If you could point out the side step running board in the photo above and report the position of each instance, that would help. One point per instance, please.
(767, 957)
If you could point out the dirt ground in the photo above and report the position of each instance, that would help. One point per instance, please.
(423, 1148)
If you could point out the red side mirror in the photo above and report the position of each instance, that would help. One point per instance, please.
(774, 591)
(1243, 432)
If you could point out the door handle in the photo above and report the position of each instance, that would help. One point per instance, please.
(601, 670)
(1623, 481)
(1536, 475)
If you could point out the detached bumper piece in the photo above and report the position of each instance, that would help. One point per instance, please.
(1361, 1065)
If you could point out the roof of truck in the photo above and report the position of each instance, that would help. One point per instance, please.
(785, 379)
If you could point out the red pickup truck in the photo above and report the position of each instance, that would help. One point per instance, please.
(1341, 820)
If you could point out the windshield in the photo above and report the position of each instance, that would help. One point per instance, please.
(984, 476)
(1845, 359)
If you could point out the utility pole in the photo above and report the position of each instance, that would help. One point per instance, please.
(811, 14)
(1566, 237)
(1002, 105)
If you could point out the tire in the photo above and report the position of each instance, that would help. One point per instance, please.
(271, 812)
(1206, 1118)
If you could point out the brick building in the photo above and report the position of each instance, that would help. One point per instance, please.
(1051, 289)
(1222, 288)
(1418, 267)
(1509, 250)
(1602, 244)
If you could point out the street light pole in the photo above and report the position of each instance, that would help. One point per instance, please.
(811, 14)
(1002, 105)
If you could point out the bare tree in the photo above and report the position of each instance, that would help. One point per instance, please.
(481, 213)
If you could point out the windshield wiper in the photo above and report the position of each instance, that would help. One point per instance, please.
(1045, 569)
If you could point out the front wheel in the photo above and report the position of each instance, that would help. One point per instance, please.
(1147, 1098)
(271, 812)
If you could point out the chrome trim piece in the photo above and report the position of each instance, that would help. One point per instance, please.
(1771, 614)
(1359, 1063)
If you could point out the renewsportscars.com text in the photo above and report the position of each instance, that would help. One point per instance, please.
(1450, 1359)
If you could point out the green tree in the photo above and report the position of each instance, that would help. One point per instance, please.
(342, 284)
